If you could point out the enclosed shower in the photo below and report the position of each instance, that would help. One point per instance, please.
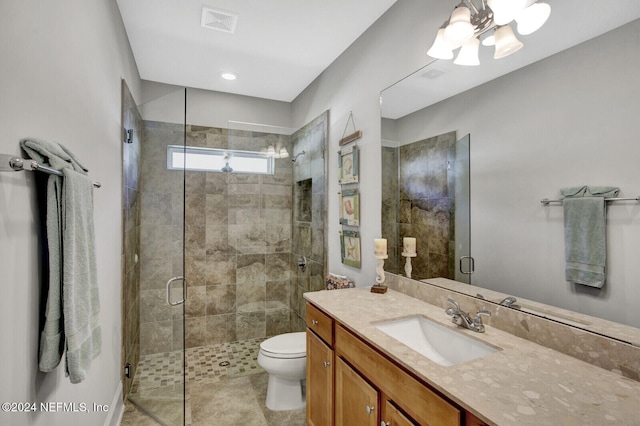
(230, 241)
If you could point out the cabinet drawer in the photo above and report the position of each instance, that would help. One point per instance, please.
(424, 405)
(320, 323)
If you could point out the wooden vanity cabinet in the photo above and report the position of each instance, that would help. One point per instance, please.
(356, 400)
(350, 383)
(320, 368)
(423, 405)
(392, 416)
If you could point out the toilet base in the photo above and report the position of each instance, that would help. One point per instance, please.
(284, 394)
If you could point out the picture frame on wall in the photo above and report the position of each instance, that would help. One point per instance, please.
(350, 207)
(348, 165)
(350, 246)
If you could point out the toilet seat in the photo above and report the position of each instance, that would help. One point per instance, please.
(285, 346)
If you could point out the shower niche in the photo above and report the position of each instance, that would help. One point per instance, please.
(303, 200)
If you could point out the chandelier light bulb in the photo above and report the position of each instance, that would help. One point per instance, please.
(506, 42)
(468, 54)
(441, 49)
(459, 29)
(505, 10)
(489, 41)
(532, 18)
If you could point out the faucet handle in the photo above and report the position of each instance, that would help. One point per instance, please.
(452, 311)
(484, 312)
(478, 318)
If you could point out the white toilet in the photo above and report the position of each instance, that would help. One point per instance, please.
(284, 357)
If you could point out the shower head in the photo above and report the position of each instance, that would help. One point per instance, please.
(227, 168)
(300, 154)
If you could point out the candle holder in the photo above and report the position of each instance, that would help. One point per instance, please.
(407, 263)
(378, 287)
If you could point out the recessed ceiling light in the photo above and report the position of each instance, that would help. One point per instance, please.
(228, 76)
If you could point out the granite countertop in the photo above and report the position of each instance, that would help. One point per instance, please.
(522, 384)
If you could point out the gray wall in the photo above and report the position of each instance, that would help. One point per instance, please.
(62, 65)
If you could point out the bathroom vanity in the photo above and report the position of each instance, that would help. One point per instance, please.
(351, 382)
(358, 374)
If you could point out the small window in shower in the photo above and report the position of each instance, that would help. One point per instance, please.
(218, 160)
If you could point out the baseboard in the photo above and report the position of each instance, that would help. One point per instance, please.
(116, 409)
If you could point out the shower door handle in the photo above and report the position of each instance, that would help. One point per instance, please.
(184, 291)
(471, 263)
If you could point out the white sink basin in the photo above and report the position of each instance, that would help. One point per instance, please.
(438, 343)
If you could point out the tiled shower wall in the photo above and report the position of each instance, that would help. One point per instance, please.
(240, 243)
(237, 242)
(131, 235)
(427, 205)
(309, 215)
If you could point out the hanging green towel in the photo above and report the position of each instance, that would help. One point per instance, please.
(80, 302)
(72, 308)
(584, 233)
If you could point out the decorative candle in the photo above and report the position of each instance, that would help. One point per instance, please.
(409, 245)
(380, 246)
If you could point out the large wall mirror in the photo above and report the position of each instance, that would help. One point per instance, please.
(571, 118)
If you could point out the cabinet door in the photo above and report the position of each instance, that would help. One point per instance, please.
(393, 417)
(356, 400)
(319, 382)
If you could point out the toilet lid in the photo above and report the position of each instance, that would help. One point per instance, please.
(288, 345)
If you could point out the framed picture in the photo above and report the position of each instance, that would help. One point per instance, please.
(350, 207)
(350, 245)
(348, 165)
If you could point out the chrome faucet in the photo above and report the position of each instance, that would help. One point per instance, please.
(463, 319)
(509, 302)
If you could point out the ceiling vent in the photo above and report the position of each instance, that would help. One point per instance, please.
(219, 20)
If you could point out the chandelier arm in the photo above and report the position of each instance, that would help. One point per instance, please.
(473, 6)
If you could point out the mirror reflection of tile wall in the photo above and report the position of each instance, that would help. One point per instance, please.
(425, 203)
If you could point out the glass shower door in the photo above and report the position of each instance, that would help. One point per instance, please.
(462, 225)
(156, 364)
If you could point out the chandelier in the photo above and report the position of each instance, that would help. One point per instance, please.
(468, 22)
(275, 152)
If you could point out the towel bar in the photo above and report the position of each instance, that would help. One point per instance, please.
(546, 201)
(10, 163)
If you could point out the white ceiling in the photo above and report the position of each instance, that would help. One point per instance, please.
(278, 48)
(571, 22)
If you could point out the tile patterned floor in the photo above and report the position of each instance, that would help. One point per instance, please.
(232, 394)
